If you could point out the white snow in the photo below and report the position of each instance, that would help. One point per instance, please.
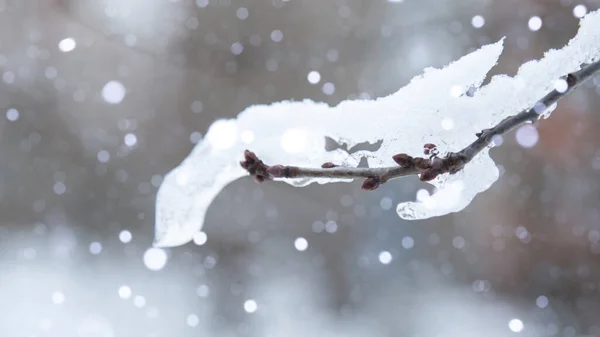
(293, 133)
(579, 11)
(314, 77)
(385, 257)
(66, 45)
(12, 115)
(124, 292)
(527, 136)
(515, 325)
(541, 301)
(535, 23)
(58, 297)
(301, 244)
(125, 236)
(113, 92)
(155, 259)
(95, 248)
(478, 21)
(250, 306)
(193, 320)
(200, 238)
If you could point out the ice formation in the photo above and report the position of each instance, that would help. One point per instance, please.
(432, 108)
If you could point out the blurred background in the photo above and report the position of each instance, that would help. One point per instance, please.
(101, 98)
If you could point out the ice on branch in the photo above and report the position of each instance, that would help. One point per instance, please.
(432, 108)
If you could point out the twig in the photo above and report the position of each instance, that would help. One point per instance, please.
(428, 168)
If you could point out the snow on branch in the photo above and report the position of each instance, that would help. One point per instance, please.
(434, 108)
(428, 168)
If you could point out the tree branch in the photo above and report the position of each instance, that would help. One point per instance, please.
(428, 168)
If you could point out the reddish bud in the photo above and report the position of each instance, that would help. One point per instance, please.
(428, 175)
(430, 149)
(277, 171)
(403, 160)
(250, 156)
(328, 165)
(371, 183)
(244, 164)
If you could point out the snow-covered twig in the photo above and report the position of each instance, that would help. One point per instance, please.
(427, 168)
(432, 108)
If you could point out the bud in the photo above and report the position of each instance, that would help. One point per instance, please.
(430, 149)
(428, 175)
(571, 80)
(258, 179)
(403, 160)
(244, 164)
(277, 171)
(250, 156)
(371, 183)
(328, 165)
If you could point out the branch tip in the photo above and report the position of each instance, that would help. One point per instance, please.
(255, 166)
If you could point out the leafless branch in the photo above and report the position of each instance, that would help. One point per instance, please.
(427, 168)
